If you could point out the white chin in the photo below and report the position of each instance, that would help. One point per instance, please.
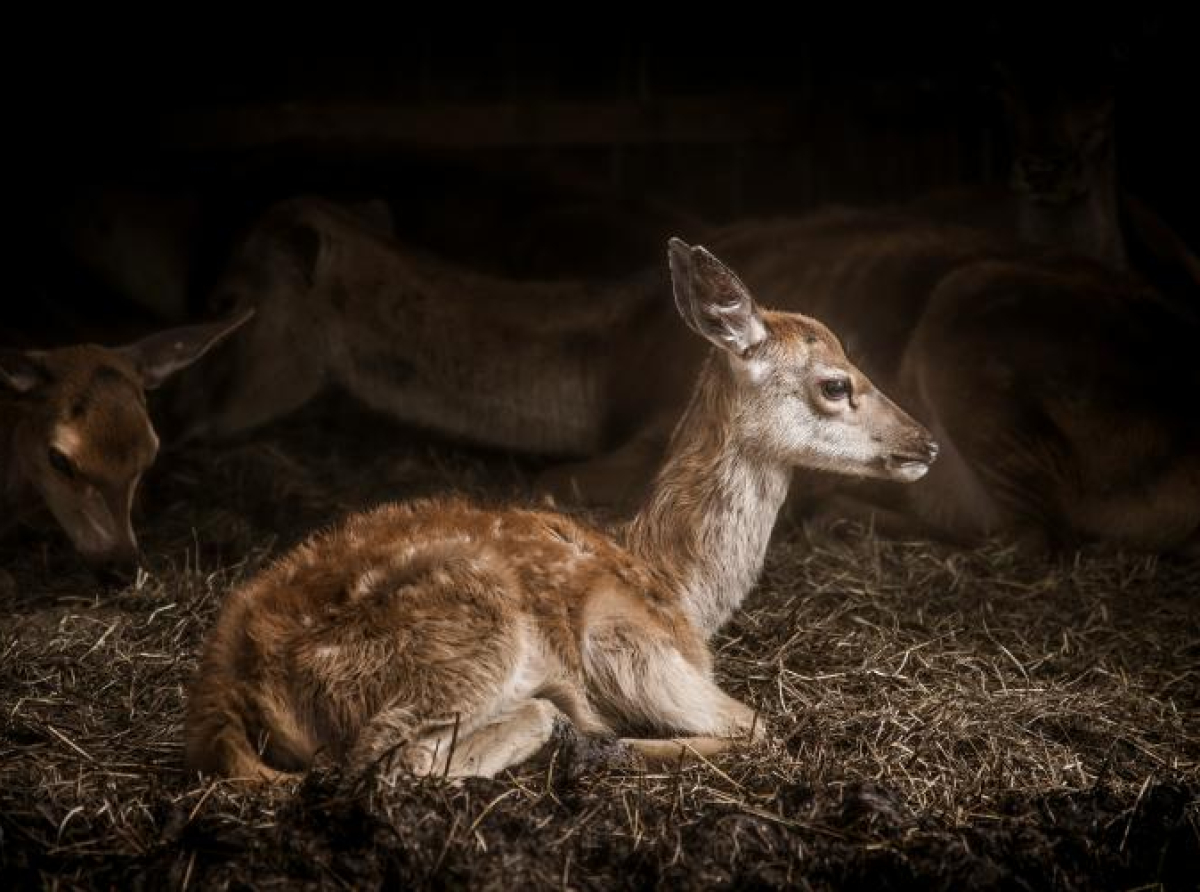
(909, 471)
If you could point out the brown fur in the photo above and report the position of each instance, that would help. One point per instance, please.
(75, 436)
(97, 404)
(522, 365)
(308, 654)
(439, 635)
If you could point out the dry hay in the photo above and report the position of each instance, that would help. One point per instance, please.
(942, 719)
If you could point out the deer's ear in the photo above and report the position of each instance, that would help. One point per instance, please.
(713, 301)
(159, 356)
(20, 372)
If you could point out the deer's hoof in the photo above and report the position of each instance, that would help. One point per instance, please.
(571, 754)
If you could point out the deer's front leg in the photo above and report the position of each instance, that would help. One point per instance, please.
(736, 725)
(476, 747)
(650, 683)
(722, 723)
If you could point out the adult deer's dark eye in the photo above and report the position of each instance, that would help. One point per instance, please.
(59, 461)
(835, 389)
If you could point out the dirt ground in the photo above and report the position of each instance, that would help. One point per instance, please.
(941, 719)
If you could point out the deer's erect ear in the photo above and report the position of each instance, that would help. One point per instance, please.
(20, 372)
(160, 355)
(712, 300)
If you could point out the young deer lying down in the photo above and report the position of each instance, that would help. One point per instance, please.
(75, 436)
(437, 636)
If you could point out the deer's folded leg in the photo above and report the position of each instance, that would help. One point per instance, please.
(671, 751)
(470, 747)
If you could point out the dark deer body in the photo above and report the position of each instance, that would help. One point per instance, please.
(1060, 389)
(523, 365)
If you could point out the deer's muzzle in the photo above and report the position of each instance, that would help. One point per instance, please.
(912, 463)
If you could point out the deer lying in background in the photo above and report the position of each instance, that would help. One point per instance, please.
(443, 637)
(501, 362)
(76, 437)
(1061, 391)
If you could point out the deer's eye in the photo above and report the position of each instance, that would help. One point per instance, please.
(834, 389)
(59, 461)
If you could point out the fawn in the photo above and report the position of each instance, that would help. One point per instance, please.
(76, 437)
(438, 636)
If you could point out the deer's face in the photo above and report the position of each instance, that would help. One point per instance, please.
(1059, 139)
(809, 406)
(84, 444)
(83, 438)
(799, 400)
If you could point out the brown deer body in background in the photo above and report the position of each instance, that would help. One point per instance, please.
(75, 436)
(439, 636)
(1060, 389)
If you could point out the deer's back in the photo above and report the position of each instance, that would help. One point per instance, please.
(540, 566)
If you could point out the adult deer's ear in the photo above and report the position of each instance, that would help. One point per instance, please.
(159, 356)
(20, 372)
(713, 301)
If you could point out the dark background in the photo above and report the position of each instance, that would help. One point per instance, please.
(465, 123)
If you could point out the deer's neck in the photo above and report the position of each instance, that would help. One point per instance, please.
(709, 515)
(1089, 224)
